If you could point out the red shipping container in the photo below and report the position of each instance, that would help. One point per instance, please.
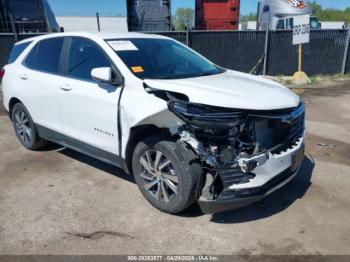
(217, 14)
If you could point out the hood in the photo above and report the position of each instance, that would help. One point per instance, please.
(231, 90)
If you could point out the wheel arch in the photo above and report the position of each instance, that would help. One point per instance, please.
(139, 133)
(13, 101)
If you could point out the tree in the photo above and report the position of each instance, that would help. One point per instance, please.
(183, 18)
(316, 9)
(249, 17)
(330, 14)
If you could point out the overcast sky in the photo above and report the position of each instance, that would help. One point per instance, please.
(113, 7)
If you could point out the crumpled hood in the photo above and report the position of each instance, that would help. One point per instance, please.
(231, 90)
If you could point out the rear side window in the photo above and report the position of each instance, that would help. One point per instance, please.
(45, 56)
(17, 50)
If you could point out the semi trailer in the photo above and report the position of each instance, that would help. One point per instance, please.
(149, 15)
(27, 16)
(278, 14)
(217, 14)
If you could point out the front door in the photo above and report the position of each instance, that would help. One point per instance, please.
(89, 110)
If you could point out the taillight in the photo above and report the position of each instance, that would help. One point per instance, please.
(2, 73)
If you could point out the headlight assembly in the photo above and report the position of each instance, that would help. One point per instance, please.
(205, 116)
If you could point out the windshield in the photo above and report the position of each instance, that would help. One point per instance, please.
(313, 22)
(161, 59)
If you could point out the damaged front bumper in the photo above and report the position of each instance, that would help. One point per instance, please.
(268, 177)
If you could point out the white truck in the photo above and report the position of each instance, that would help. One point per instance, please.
(278, 14)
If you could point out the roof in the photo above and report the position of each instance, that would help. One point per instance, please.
(99, 35)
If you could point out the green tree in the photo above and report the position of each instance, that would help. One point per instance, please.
(316, 9)
(184, 17)
(249, 17)
(330, 14)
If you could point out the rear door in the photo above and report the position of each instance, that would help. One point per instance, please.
(39, 79)
(89, 109)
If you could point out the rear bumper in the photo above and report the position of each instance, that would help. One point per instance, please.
(245, 197)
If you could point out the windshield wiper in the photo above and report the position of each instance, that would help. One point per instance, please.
(208, 73)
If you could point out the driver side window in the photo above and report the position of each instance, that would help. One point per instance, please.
(84, 55)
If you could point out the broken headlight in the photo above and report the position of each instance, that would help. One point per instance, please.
(204, 116)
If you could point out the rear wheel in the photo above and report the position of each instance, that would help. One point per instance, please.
(25, 128)
(167, 173)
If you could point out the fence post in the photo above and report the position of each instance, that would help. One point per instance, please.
(266, 51)
(187, 36)
(13, 27)
(346, 51)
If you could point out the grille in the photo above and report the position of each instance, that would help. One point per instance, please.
(230, 177)
(260, 190)
(279, 131)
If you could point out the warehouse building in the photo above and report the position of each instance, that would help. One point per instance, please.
(90, 24)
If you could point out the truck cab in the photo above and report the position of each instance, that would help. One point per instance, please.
(278, 14)
(288, 22)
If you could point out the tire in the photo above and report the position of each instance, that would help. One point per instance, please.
(25, 128)
(177, 184)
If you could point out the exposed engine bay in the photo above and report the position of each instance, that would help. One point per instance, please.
(232, 143)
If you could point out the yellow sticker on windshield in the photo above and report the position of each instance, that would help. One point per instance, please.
(137, 69)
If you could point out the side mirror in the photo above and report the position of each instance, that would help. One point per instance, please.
(103, 74)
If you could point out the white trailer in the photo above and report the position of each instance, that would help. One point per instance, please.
(332, 25)
(278, 14)
(248, 25)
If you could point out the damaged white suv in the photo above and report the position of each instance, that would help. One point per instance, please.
(186, 129)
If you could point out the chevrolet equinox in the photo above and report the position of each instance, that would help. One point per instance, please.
(185, 128)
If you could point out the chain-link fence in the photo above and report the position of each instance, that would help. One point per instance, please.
(241, 50)
(6, 43)
(245, 50)
(323, 55)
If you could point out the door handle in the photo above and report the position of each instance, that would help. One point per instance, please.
(66, 88)
(24, 76)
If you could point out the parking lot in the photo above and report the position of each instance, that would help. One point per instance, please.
(57, 201)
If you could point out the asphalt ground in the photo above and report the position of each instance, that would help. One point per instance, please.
(57, 201)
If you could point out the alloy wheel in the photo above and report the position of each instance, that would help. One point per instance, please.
(23, 128)
(158, 173)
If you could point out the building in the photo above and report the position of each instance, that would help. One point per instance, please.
(89, 24)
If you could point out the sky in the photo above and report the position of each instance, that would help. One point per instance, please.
(114, 7)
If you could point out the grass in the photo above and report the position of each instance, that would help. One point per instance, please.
(314, 79)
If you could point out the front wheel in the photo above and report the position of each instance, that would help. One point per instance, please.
(167, 173)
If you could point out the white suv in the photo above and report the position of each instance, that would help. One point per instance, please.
(186, 129)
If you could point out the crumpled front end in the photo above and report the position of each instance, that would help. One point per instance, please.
(245, 154)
